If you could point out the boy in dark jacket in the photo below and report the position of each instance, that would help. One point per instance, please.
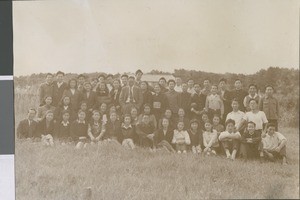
(62, 128)
(79, 129)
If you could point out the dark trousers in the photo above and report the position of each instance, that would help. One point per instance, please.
(280, 154)
(231, 144)
(250, 150)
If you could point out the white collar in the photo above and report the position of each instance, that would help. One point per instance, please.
(80, 122)
(123, 126)
(254, 96)
(65, 124)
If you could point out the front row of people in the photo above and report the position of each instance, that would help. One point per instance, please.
(180, 137)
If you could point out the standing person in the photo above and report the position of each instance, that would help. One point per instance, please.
(94, 84)
(173, 97)
(196, 136)
(45, 129)
(109, 82)
(27, 128)
(210, 139)
(197, 102)
(124, 80)
(59, 86)
(46, 89)
(103, 95)
(226, 97)
(79, 130)
(42, 110)
(252, 89)
(236, 114)
(256, 116)
(64, 106)
(147, 95)
(206, 87)
(163, 84)
(178, 86)
(239, 94)
(168, 115)
(160, 102)
(230, 140)
(270, 106)
(191, 89)
(145, 131)
(80, 80)
(101, 78)
(138, 77)
(163, 136)
(214, 103)
(185, 99)
(74, 94)
(89, 96)
(131, 96)
(115, 95)
(181, 138)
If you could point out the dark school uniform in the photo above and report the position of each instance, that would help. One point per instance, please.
(113, 130)
(62, 130)
(250, 149)
(27, 129)
(142, 131)
(58, 90)
(45, 128)
(159, 105)
(196, 138)
(239, 95)
(75, 98)
(78, 130)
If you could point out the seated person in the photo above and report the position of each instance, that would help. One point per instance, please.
(274, 144)
(181, 138)
(182, 117)
(230, 139)
(27, 128)
(128, 133)
(147, 111)
(250, 142)
(163, 136)
(95, 128)
(45, 129)
(169, 116)
(210, 139)
(145, 131)
(196, 137)
(62, 128)
(79, 129)
(113, 128)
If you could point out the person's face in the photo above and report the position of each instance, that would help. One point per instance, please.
(103, 107)
(252, 90)
(143, 86)
(216, 120)
(94, 83)
(253, 105)
(124, 80)
(230, 127)
(116, 84)
(214, 89)
(81, 80)
(112, 109)
(168, 113)
(49, 116)
(191, 83)
(127, 120)
(87, 87)
(66, 117)
(207, 126)
(162, 82)
(146, 119)
(180, 126)
(251, 128)
(96, 116)
(269, 91)
(178, 81)
(271, 130)
(194, 126)
(101, 79)
(222, 84)
(72, 84)
(181, 112)
(165, 123)
(133, 112)
(113, 117)
(48, 100)
(206, 83)
(81, 116)
(184, 87)
(31, 114)
(204, 118)
(238, 84)
(147, 110)
(171, 85)
(60, 78)
(83, 106)
(156, 89)
(139, 76)
(235, 105)
(49, 79)
(197, 88)
(131, 82)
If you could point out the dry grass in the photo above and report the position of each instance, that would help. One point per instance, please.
(115, 173)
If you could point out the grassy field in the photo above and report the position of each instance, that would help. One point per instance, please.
(115, 173)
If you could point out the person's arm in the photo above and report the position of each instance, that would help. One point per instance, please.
(222, 107)
(140, 100)
(241, 124)
(222, 136)
(236, 136)
(265, 121)
(154, 122)
(204, 141)
(122, 97)
(256, 139)
(139, 132)
(260, 104)
(90, 133)
(213, 139)
(282, 140)
(277, 108)
(174, 137)
(187, 138)
(245, 102)
(206, 103)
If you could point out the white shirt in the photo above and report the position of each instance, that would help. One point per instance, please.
(128, 99)
(236, 117)
(271, 142)
(225, 134)
(178, 88)
(59, 84)
(258, 118)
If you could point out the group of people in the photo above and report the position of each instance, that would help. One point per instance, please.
(173, 115)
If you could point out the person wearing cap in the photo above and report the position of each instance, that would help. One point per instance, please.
(109, 82)
(138, 77)
(59, 87)
(80, 81)
(27, 128)
(124, 80)
(46, 89)
(196, 136)
(130, 96)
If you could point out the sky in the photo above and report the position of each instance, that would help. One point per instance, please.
(125, 35)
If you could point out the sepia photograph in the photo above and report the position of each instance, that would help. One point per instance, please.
(171, 99)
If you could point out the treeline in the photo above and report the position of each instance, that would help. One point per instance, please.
(285, 82)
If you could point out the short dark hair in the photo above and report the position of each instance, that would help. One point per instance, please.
(124, 75)
(254, 85)
(81, 75)
(64, 112)
(31, 109)
(49, 74)
(162, 78)
(171, 80)
(229, 121)
(60, 72)
(269, 86)
(131, 77)
(223, 79)
(109, 75)
(138, 71)
(251, 122)
(215, 85)
(236, 100)
(253, 100)
(101, 75)
(237, 79)
(206, 79)
(271, 125)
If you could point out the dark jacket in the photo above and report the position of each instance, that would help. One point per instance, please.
(196, 138)
(45, 90)
(62, 131)
(239, 95)
(58, 92)
(113, 130)
(91, 100)
(79, 130)
(43, 129)
(159, 105)
(26, 131)
(159, 136)
(75, 98)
